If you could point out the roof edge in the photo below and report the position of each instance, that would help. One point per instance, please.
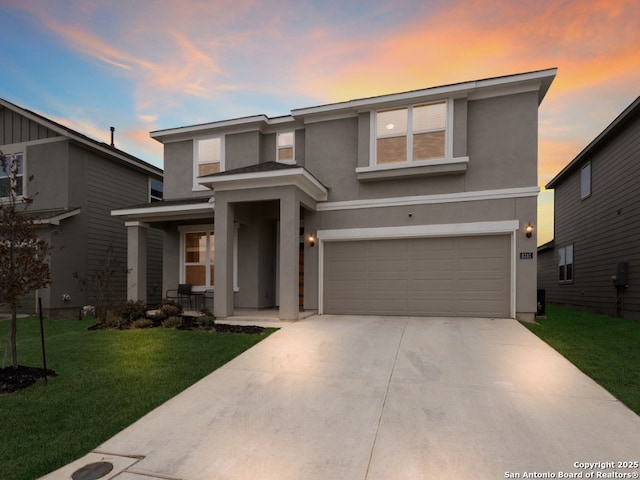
(595, 143)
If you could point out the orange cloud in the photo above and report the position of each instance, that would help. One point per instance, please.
(553, 156)
(593, 43)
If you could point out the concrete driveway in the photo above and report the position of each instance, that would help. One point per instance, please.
(350, 398)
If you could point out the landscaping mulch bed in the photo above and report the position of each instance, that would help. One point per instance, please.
(248, 329)
(14, 379)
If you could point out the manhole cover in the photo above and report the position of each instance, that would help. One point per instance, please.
(93, 471)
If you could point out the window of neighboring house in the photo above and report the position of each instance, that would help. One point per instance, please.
(565, 264)
(585, 181)
(285, 147)
(411, 134)
(156, 190)
(5, 175)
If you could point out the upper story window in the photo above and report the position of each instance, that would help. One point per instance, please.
(585, 181)
(16, 159)
(208, 156)
(565, 264)
(411, 134)
(285, 147)
(156, 190)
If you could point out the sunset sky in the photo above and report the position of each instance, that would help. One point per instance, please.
(144, 65)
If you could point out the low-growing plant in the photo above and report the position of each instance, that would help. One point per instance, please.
(206, 322)
(142, 323)
(115, 321)
(133, 310)
(172, 322)
(168, 309)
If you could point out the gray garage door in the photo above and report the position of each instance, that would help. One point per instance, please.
(453, 276)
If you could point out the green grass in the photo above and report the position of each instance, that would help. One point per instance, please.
(106, 380)
(605, 348)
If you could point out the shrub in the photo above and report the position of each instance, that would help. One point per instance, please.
(133, 310)
(114, 320)
(206, 322)
(172, 322)
(142, 323)
(168, 309)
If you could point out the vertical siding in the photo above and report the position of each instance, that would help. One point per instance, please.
(603, 228)
(14, 128)
(110, 186)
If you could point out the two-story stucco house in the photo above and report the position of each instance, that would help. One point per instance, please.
(77, 181)
(593, 262)
(411, 203)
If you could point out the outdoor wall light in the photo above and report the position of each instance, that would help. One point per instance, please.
(528, 230)
(311, 239)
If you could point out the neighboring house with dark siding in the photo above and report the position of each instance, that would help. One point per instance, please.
(593, 262)
(412, 203)
(77, 181)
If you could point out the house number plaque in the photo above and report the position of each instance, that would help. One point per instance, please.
(526, 255)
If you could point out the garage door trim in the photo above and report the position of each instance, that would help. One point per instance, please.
(418, 231)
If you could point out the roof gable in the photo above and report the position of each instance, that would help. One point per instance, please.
(539, 81)
(628, 115)
(18, 125)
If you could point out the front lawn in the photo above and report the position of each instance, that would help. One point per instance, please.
(605, 348)
(106, 379)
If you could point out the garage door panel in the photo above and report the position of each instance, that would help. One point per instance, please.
(425, 286)
(384, 286)
(457, 276)
(388, 266)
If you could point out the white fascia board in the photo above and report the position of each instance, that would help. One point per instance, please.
(167, 209)
(499, 85)
(236, 125)
(430, 199)
(298, 177)
(58, 218)
(419, 231)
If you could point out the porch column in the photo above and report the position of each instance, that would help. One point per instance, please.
(137, 260)
(289, 254)
(223, 259)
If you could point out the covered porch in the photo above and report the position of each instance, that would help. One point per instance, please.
(251, 253)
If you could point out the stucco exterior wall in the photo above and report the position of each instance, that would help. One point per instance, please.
(493, 141)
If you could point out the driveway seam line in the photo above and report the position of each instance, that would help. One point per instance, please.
(384, 401)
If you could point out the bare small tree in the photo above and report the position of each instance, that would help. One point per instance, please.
(99, 285)
(24, 263)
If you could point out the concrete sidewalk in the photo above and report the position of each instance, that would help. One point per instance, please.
(340, 397)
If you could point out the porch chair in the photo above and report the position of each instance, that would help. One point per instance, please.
(182, 293)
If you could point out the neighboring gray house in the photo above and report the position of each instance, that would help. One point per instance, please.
(77, 181)
(597, 218)
(412, 203)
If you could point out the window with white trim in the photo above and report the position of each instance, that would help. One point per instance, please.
(198, 258)
(585, 181)
(285, 142)
(156, 190)
(197, 263)
(565, 264)
(6, 177)
(411, 134)
(208, 154)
